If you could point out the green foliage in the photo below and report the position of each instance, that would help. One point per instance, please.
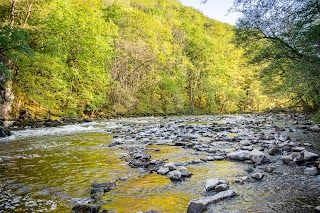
(282, 37)
(130, 57)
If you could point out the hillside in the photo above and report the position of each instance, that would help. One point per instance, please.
(96, 58)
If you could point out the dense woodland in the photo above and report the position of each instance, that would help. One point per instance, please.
(102, 58)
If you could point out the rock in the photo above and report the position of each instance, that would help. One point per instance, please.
(309, 156)
(4, 131)
(1, 160)
(240, 155)
(200, 205)
(269, 168)
(100, 189)
(298, 149)
(242, 179)
(274, 151)
(184, 171)
(174, 175)
(221, 187)
(249, 169)
(86, 209)
(256, 156)
(257, 176)
(249, 148)
(317, 208)
(211, 184)
(312, 171)
(217, 157)
(170, 166)
(245, 143)
(210, 158)
(45, 192)
(23, 191)
(163, 170)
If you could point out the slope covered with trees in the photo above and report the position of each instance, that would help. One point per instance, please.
(81, 58)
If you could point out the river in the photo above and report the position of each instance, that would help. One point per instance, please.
(53, 169)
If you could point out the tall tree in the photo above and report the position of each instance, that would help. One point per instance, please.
(283, 35)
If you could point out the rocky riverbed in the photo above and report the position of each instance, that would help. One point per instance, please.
(232, 163)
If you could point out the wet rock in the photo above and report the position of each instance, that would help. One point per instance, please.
(312, 171)
(23, 191)
(170, 166)
(240, 155)
(14, 186)
(163, 170)
(257, 176)
(174, 175)
(221, 187)
(45, 192)
(211, 184)
(200, 205)
(274, 151)
(309, 156)
(100, 189)
(86, 209)
(184, 171)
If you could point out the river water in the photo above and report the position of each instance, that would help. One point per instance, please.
(52, 169)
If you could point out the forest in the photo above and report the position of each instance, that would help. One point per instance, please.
(105, 58)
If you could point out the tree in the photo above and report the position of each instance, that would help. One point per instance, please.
(283, 37)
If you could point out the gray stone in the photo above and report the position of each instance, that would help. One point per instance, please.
(309, 156)
(211, 184)
(221, 187)
(163, 170)
(287, 159)
(312, 171)
(274, 151)
(210, 158)
(269, 168)
(174, 175)
(256, 156)
(217, 157)
(23, 191)
(240, 155)
(171, 166)
(317, 208)
(1, 160)
(184, 171)
(298, 149)
(249, 148)
(200, 205)
(257, 176)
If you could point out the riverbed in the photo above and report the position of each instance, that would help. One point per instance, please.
(53, 169)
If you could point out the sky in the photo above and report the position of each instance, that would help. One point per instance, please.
(216, 9)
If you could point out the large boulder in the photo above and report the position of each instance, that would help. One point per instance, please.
(200, 205)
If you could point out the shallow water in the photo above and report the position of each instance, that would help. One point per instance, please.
(52, 169)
